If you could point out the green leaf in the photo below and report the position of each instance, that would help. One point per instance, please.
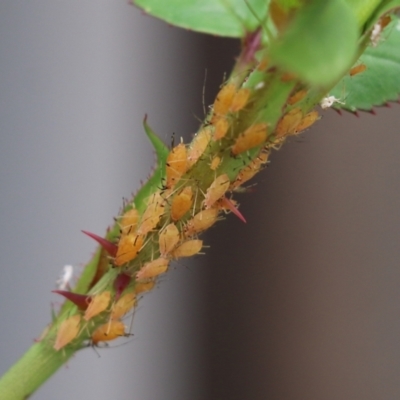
(321, 43)
(231, 18)
(383, 8)
(363, 9)
(380, 82)
(158, 175)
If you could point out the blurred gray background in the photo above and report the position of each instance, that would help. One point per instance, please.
(302, 302)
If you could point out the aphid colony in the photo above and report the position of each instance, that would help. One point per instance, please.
(177, 212)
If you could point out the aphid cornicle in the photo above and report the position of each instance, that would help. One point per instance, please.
(188, 248)
(253, 136)
(98, 304)
(181, 203)
(123, 305)
(67, 332)
(201, 221)
(198, 145)
(153, 269)
(128, 248)
(176, 165)
(168, 239)
(108, 331)
(216, 190)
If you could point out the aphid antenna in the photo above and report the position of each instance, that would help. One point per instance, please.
(203, 94)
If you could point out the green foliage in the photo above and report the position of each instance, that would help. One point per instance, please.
(320, 44)
(231, 18)
(380, 82)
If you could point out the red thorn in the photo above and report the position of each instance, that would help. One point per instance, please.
(145, 118)
(108, 246)
(228, 204)
(80, 300)
(372, 111)
(120, 283)
(387, 105)
(338, 110)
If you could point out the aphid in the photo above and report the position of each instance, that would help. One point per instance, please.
(176, 164)
(128, 248)
(288, 122)
(329, 101)
(67, 331)
(216, 190)
(129, 221)
(198, 145)
(262, 66)
(188, 249)
(98, 304)
(181, 203)
(142, 287)
(307, 121)
(297, 97)
(201, 221)
(168, 239)
(357, 69)
(287, 77)
(221, 128)
(65, 278)
(123, 305)
(250, 170)
(152, 214)
(251, 137)
(378, 28)
(216, 161)
(223, 101)
(153, 269)
(109, 331)
(240, 100)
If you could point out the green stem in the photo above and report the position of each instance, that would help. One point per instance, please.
(35, 367)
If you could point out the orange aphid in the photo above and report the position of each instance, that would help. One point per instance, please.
(142, 287)
(385, 21)
(240, 100)
(128, 248)
(152, 214)
(216, 190)
(176, 165)
(188, 249)
(216, 161)
(307, 121)
(357, 69)
(153, 269)
(221, 128)
(251, 137)
(223, 101)
(168, 239)
(123, 305)
(181, 203)
(287, 77)
(98, 304)
(67, 331)
(263, 64)
(198, 145)
(129, 221)
(297, 96)
(201, 221)
(109, 331)
(250, 170)
(288, 122)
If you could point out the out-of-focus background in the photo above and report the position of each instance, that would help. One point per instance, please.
(301, 302)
